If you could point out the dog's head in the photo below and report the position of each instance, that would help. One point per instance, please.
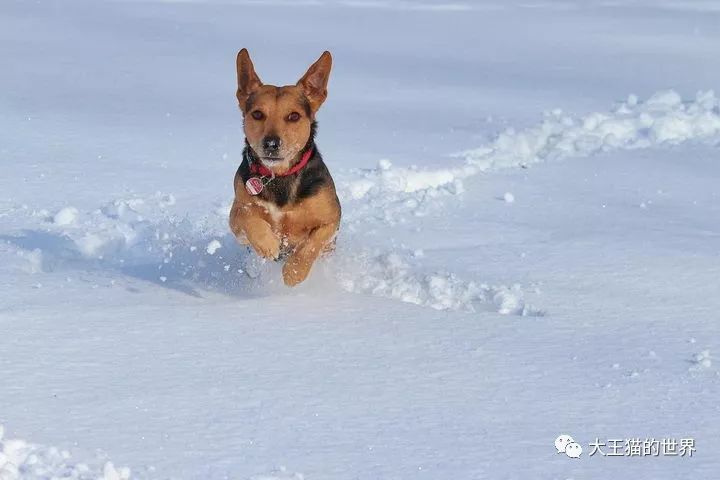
(278, 121)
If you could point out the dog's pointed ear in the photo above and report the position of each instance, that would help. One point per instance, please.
(314, 82)
(248, 81)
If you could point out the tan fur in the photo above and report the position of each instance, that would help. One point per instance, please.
(307, 228)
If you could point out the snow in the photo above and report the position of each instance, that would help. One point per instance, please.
(280, 474)
(392, 275)
(22, 460)
(213, 247)
(529, 244)
(66, 216)
(701, 360)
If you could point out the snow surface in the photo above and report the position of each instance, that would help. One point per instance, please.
(529, 246)
(19, 459)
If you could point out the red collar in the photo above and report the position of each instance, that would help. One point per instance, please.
(262, 170)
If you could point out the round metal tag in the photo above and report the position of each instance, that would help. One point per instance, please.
(254, 185)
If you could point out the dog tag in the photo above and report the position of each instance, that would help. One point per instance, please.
(254, 185)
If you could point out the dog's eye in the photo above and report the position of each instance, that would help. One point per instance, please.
(258, 115)
(293, 117)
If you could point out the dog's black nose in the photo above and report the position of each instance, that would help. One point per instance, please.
(271, 143)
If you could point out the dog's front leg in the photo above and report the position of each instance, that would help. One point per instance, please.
(249, 227)
(298, 266)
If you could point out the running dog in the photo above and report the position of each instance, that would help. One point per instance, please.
(285, 201)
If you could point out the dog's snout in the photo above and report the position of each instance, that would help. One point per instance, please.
(271, 143)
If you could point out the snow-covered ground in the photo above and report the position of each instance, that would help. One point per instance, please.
(530, 243)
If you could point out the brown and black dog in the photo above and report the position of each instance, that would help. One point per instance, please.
(285, 200)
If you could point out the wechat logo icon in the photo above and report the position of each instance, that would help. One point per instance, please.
(565, 444)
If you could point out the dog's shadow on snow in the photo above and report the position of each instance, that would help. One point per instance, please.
(182, 264)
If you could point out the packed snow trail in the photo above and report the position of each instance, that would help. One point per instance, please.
(127, 235)
(664, 119)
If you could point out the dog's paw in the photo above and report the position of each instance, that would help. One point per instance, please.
(266, 244)
(295, 271)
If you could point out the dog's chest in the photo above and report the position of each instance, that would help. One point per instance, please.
(289, 222)
(275, 214)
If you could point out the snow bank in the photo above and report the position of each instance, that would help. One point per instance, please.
(22, 460)
(392, 275)
(387, 179)
(189, 256)
(663, 119)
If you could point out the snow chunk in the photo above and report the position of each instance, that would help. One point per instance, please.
(509, 197)
(165, 199)
(664, 99)
(124, 209)
(358, 189)
(213, 247)
(701, 361)
(90, 245)
(66, 216)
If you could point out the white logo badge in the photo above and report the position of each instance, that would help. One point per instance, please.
(565, 444)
